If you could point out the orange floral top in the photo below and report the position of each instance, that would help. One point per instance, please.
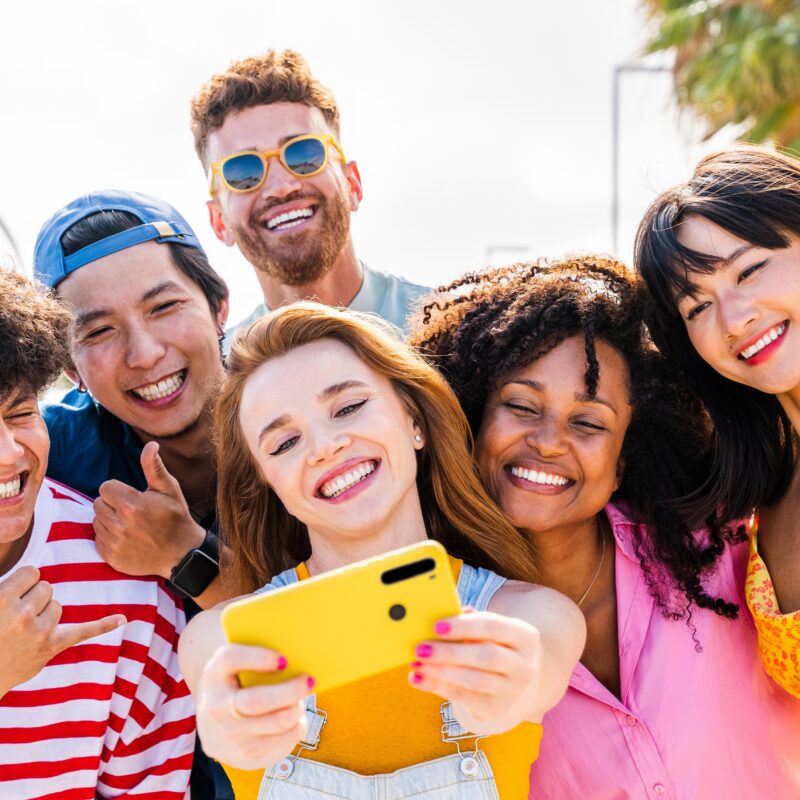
(778, 634)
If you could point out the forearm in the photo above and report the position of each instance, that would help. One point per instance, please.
(562, 631)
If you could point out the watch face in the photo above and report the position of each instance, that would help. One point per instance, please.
(195, 573)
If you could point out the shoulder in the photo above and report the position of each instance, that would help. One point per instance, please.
(230, 334)
(533, 603)
(63, 503)
(398, 285)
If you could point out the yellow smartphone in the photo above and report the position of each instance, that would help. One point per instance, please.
(352, 622)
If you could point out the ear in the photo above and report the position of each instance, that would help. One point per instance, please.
(419, 436)
(222, 315)
(355, 189)
(72, 374)
(215, 217)
(620, 472)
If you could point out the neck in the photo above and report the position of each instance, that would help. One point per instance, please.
(11, 552)
(791, 405)
(330, 549)
(568, 559)
(337, 287)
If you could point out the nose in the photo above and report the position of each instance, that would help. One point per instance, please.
(324, 443)
(143, 348)
(10, 449)
(737, 314)
(547, 438)
(279, 181)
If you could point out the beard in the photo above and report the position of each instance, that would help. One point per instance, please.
(301, 258)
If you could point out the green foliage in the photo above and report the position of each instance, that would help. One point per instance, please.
(736, 61)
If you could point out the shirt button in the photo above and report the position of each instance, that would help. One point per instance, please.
(659, 788)
(632, 721)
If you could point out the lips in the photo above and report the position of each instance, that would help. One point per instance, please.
(12, 487)
(760, 343)
(289, 219)
(346, 477)
(161, 392)
(291, 213)
(538, 478)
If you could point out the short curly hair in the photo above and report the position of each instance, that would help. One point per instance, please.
(34, 335)
(489, 323)
(281, 76)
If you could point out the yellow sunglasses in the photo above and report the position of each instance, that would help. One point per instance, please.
(303, 156)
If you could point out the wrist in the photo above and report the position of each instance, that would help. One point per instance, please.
(198, 568)
(191, 541)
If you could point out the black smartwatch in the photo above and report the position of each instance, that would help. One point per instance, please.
(195, 571)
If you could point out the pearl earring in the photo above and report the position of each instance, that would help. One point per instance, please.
(418, 437)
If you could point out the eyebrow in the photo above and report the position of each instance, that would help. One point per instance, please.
(19, 399)
(326, 394)
(581, 397)
(723, 262)
(90, 316)
(281, 142)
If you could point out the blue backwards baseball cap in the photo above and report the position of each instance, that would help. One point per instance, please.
(160, 222)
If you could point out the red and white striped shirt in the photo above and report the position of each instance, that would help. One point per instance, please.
(110, 717)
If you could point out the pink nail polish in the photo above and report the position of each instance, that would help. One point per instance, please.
(282, 662)
(442, 628)
(416, 664)
(311, 683)
(416, 678)
(424, 651)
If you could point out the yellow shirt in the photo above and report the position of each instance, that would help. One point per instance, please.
(382, 724)
(778, 634)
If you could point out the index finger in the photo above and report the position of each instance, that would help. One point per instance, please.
(486, 626)
(69, 635)
(231, 659)
(116, 492)
(21, 581)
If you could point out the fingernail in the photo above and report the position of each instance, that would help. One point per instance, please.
(310, 682)
(442, 628)
(416, 664)
(424, 651)
(416, 678)
(282, 662)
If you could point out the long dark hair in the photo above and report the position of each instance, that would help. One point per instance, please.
(264, 538)
(487, 324)
(754, 194)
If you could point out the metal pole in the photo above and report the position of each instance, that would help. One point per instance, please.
(615, 125)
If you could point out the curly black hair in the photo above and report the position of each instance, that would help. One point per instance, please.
(34, 336)
(489, 323)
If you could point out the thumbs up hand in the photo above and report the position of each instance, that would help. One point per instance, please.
(149, 532)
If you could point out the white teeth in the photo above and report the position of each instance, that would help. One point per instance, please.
(341, 483)
(294, 217)
(545, 478)
(769, 337)
(10, 489)
(163, 388)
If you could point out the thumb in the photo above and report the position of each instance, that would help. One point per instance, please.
(155, 473)
(69, 635)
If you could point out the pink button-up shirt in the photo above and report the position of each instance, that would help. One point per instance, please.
(690, 725)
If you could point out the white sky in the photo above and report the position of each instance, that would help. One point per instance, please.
(476, 125)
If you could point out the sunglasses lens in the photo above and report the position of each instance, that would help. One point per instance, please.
(305, 156)
(243, 172)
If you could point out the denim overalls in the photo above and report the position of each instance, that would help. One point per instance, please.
(465, 775)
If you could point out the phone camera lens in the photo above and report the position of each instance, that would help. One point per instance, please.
(397, 612)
